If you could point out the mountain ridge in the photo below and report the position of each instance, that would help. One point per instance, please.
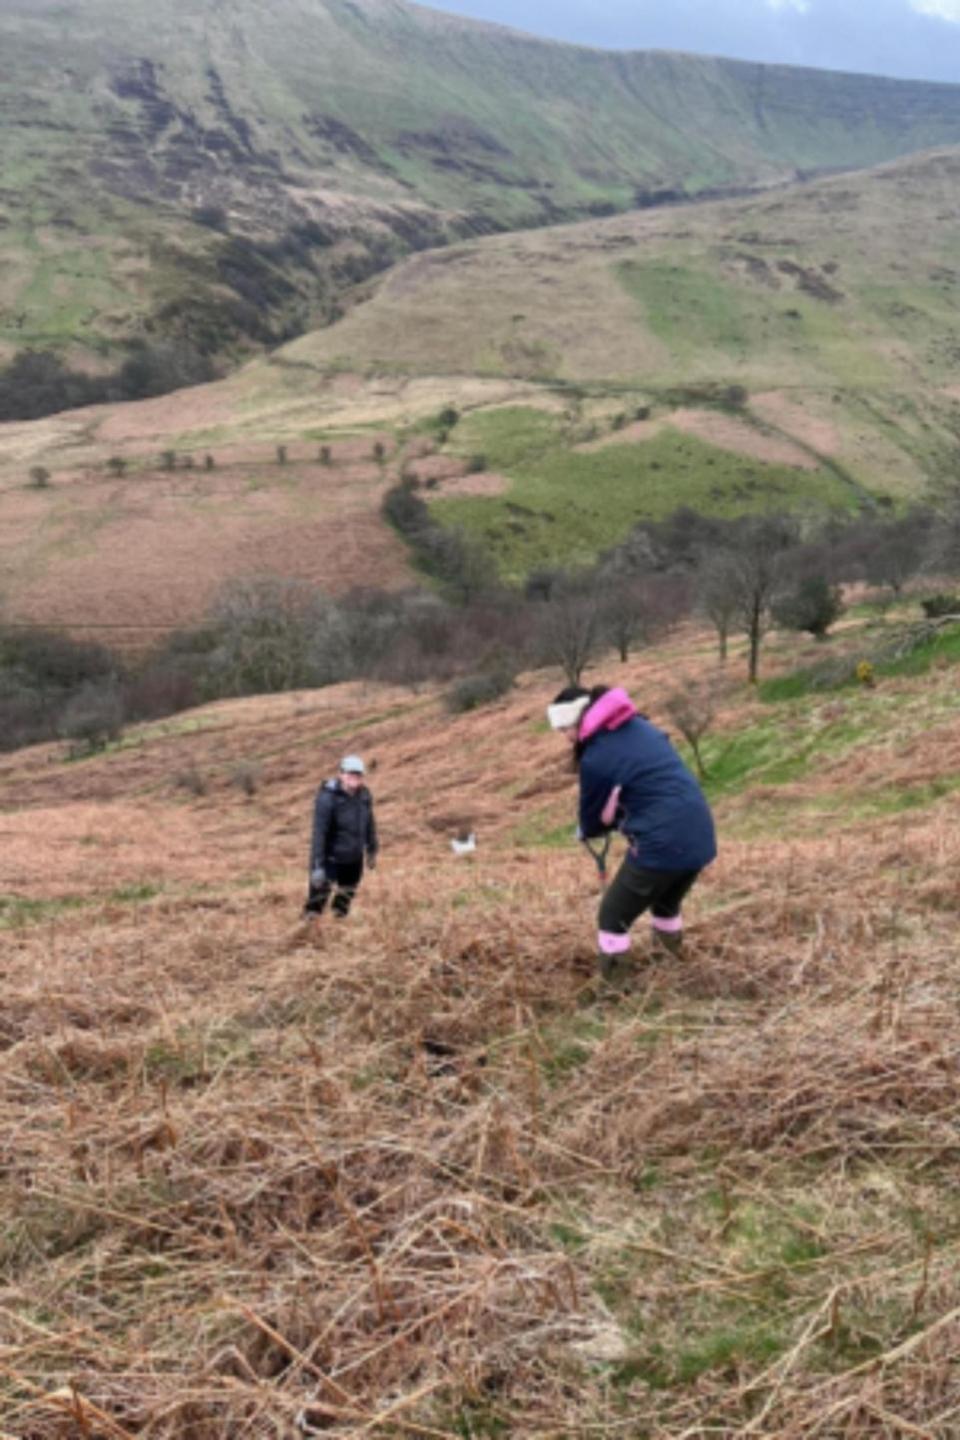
(216, 179)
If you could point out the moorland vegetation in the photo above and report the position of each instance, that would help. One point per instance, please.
(419, 1175)
(421, 1179)
(467, 629)
(219, 179)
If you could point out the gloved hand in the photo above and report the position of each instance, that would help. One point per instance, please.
(317, 875)
(371, 862)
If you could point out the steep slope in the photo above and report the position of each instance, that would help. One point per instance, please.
(216, 173)
(689, 356)
(420, 1180)
(796, 349)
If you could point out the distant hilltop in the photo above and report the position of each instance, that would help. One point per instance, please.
(202, 181)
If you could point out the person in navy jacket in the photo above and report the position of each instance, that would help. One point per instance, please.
(632, 779)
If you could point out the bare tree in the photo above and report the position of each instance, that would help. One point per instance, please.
(625, 620)
(718, 596)
(758, 548)
(897, 551)
(636, 609)
(692, 706)
(265, 629)
(943, 551)
(569, 629)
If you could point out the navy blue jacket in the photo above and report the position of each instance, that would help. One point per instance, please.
(663, 811)
(343, 826)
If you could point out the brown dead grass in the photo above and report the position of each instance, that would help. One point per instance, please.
(484, 482)
(729, 433)
(634, 434)
(154, 548)
(252, 1183)
(200, 405)
(799, 420)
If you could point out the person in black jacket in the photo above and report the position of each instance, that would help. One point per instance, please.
(632, 779)
(344, 831)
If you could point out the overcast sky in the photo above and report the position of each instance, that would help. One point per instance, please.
(916, 38)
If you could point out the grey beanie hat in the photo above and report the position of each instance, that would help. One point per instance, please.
(352, 765)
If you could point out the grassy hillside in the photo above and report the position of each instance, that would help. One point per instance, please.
(777, 350)
(795, 350)
(219, 173)
(419, 1178)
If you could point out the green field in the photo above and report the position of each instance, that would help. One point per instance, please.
(564, 505)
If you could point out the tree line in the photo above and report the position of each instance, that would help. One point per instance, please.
(37, 383)
(468, 631)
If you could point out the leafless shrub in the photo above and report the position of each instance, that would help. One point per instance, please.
(266, 631)
(475, 690)
(192, 780)
(246, 776)
(93, 717)
(692, 706)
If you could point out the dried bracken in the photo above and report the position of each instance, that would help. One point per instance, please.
(413, 1176)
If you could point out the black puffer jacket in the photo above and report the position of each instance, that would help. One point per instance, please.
(343, 826)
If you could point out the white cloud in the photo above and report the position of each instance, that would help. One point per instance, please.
(939, 9)
(802, 5)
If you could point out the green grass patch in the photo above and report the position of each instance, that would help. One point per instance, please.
(895, 799)
(728, 1348)
(194, 1056)
(569, 1236)
(687, 306)
(766, 754)
(134, 894)
(509, 436)
(565, 505)
(814, 679)
(941, 648)
(16, 910)
(792, 741)
(570, 1045)
(711, 320)
(540, 828)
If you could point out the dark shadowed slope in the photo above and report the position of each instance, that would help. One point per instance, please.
(216, 174)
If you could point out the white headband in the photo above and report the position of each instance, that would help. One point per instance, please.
(568, 713)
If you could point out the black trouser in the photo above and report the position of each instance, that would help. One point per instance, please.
(345, 877)
(634, 890)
